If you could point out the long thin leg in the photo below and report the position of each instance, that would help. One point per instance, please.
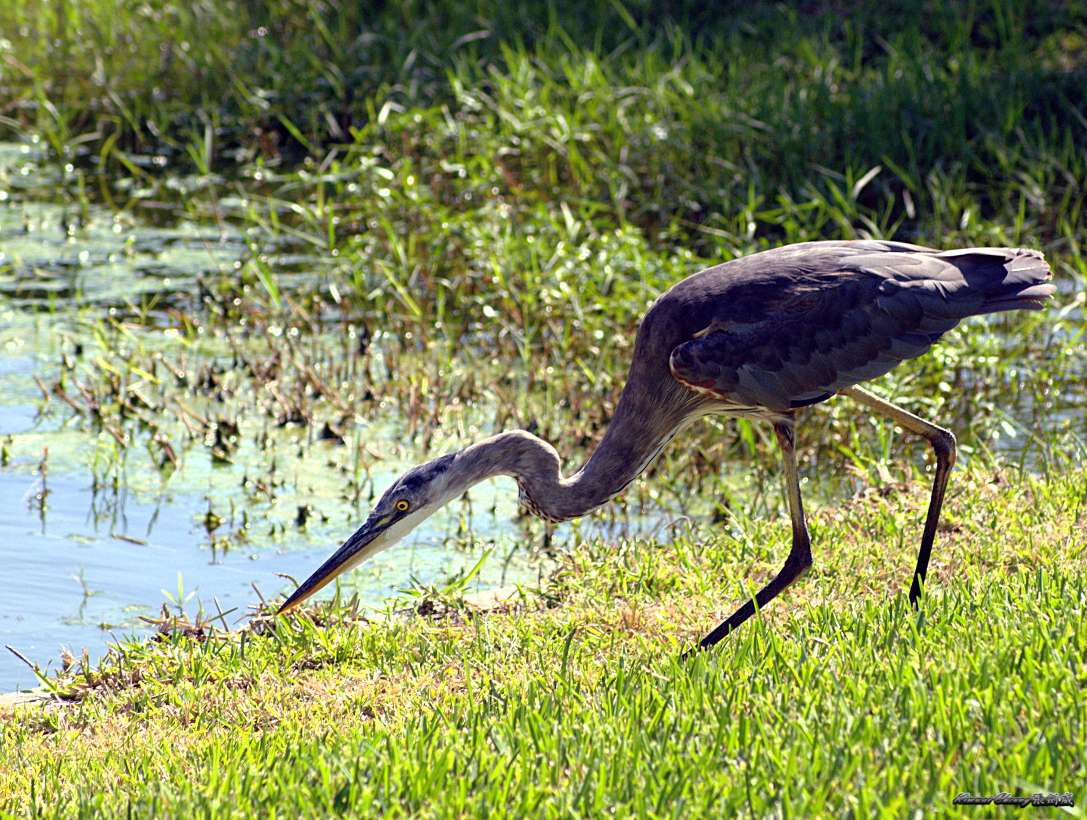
(943, 444)
(799, 557)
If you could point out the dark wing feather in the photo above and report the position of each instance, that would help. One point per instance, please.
(877, 309)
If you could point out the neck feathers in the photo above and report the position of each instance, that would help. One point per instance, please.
(638, 431)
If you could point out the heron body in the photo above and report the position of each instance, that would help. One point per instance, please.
(756, 337)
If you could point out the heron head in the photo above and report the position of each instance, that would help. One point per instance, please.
(411, 499)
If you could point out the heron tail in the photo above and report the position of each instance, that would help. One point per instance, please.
(1007, 278)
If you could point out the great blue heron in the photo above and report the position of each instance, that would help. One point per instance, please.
(756, 338)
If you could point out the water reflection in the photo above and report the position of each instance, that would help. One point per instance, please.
(80, 566)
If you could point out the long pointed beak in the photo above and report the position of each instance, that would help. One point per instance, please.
(370, 539)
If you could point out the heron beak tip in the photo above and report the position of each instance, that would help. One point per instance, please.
(356, 549)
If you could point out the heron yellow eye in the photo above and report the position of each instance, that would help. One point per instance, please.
(402, 505)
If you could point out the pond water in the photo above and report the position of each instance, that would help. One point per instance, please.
(88, 544)
(79, 570)
(86, 550)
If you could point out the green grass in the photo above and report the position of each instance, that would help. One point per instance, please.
(723, 131)
(838, 701)
(460, 233)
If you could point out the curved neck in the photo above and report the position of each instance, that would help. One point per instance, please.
(639, 430)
